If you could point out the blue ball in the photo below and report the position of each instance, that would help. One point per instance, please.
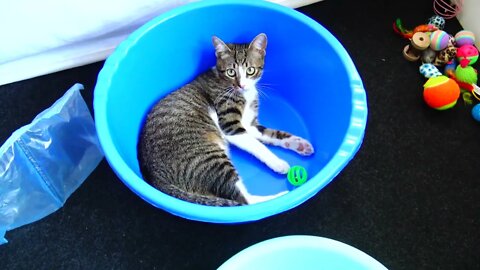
(476, 112)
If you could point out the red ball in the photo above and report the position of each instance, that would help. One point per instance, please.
(441, 92)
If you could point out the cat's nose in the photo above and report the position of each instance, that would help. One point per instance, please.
(242, 86)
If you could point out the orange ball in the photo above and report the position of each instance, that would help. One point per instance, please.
(441, 92)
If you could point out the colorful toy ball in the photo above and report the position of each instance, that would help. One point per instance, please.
(439, 40)
(467, 55)
(465, 37)
(476, 112)
(441, 93)
(466, 74)
(438, 21)
(297, 175)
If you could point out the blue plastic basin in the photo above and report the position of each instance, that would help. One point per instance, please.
(303, 252)
(310, 85)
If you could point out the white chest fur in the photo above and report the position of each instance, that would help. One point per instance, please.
(249, 113)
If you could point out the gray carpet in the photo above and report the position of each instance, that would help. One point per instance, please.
(410, 198)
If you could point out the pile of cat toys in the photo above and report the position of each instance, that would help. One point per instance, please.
(439, 51)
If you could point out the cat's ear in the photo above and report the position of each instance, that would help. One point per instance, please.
(259, 42)
(220, 46)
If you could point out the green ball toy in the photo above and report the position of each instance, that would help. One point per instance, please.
(297, 175)
(466, 74)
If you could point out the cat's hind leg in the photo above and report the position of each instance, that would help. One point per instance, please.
(252, 199)
(231, 187)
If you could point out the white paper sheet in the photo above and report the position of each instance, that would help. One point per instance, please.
(40, 37)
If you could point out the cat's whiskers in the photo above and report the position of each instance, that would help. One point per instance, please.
(267, 84)
(261, 92)
(261, 87)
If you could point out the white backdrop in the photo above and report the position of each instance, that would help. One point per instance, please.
(40, 37)
(469, 18)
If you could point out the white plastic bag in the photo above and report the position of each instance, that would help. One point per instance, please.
(42, 163)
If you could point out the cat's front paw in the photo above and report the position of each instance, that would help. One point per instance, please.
(279, 166)
(299, 145)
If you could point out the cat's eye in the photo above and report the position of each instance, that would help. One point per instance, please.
(250, 71)
(231, 72)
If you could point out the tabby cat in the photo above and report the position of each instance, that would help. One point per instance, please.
(183, 145)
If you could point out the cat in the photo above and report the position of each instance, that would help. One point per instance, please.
(183, 147)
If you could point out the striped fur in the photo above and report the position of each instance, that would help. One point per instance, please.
(183, 145)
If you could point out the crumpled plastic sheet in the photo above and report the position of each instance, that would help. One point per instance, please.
(43, 163)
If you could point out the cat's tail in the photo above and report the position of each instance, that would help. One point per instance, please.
(197, 198)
